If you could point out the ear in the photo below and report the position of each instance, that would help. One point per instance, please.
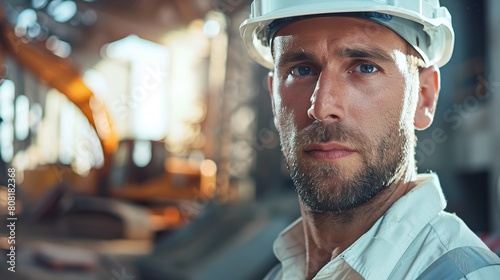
(427, 98)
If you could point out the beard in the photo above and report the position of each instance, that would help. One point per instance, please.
(328, 187)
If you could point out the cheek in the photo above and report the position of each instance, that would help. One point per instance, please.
(291, 105)
(381, 110)
(411, 99)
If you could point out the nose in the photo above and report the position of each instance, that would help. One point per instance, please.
(327, 100)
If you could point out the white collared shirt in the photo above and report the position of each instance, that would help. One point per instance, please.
(414, 232)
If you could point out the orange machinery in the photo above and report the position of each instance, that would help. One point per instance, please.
(62, 75)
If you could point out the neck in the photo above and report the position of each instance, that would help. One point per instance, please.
(328, 234)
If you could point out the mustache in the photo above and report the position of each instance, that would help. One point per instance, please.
(317, 132)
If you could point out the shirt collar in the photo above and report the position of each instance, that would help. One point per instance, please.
(289, 248)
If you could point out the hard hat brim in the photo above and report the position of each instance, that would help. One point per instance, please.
(439, 30)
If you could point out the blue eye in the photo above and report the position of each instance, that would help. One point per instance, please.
(366, 68)
(302, 71)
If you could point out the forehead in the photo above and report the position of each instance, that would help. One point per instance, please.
(336, 31)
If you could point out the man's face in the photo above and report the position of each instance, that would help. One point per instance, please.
(344, 97)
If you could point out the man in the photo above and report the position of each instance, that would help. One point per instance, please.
(350, 82)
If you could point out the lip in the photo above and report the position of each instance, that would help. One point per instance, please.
(328, 151)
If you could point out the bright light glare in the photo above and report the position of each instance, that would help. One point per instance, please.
(148, 91)
(7, 113)
(66, 134)
(97, 82)
(35, 116)
(211, 28)
(7, 90)
(26, 18)
(58, 47)
(22, 117)
(62, 11)
(38, 4)
(142, 153)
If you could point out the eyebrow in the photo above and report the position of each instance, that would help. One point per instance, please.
(295, 56)
(375, 53)
(357, 52)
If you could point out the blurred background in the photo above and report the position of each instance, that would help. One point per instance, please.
(143, 145)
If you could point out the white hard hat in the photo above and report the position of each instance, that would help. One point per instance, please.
(424, 24)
